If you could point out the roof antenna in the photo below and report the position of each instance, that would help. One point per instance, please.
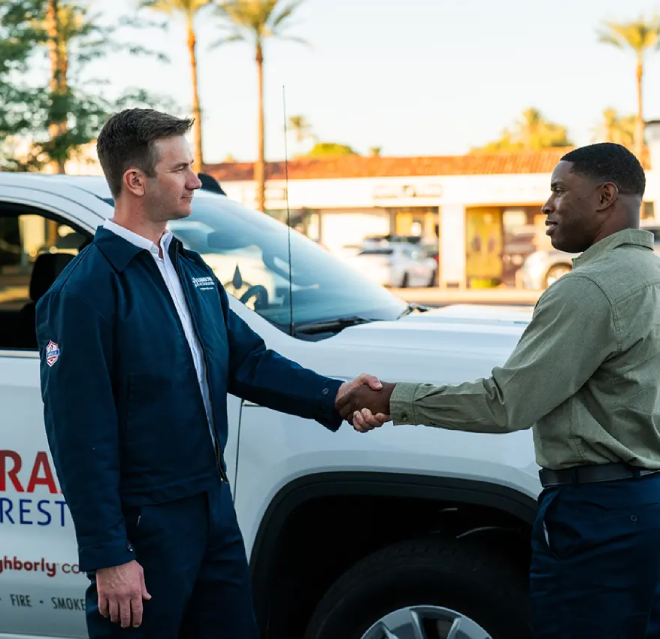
(288, 216)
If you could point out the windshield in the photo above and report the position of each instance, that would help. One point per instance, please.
(249, 253)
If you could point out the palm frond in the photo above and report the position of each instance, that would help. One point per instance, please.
(639, 35)
(302, 41)
(235, 37)
(286, 13)
(610, 38)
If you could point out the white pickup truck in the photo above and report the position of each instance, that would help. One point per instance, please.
(406, 532)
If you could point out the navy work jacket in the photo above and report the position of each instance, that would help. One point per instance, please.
(124, 413)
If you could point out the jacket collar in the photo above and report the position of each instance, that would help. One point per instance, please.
(119, 251)
(635, 237)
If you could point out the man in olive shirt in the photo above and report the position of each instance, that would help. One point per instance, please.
(585, 377)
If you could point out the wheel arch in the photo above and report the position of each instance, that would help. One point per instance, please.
(317, 486)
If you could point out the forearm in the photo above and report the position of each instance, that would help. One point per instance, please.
(273, 381)
(87, 466)
(475, 406)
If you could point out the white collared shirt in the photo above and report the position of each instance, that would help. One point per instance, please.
(173, 284)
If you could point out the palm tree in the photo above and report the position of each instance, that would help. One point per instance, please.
(301, 128)
(616, 128)
(535, 132)
(530, 132)
(254, 21)
(639, 36)
(189, 9)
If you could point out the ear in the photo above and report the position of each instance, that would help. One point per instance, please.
(135, 182)
(607, 194)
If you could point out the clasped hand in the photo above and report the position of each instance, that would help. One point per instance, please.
(365, 402)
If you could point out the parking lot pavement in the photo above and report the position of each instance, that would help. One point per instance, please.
(437, 297)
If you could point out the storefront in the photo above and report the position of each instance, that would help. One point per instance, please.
(482, 211)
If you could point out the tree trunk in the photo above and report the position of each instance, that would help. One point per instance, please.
(57, 53)
(639, 124)
(197, 113)
(260, 166)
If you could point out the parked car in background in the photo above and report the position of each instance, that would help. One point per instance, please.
(543, 268)
(396, 264)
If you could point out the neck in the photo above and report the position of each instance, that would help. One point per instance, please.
(622, 222)
(140, 224)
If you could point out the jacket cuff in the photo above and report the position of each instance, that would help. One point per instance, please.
(115, 553)
(402, 404)
(327, 415)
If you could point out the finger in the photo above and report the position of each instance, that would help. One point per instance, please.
(373, 382)
(103, 606)
(382, 418)
(145, 592)
(125, 612)
(136, 611)
(347, 411)
(358, 423)
(114, 610)
(369, 418)
(342, 401)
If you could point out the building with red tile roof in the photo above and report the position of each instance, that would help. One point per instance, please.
(481, 210)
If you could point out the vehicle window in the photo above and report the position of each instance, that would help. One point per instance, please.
(33, 251)
(249, 253)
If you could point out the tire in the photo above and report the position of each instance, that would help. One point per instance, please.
(555, 272)
(482, 585)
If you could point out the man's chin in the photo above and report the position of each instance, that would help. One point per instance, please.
(182, 213)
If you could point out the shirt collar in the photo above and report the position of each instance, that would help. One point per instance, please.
(139, 240)
(635, 237)
(120, 246)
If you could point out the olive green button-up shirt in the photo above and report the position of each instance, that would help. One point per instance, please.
(585, 375)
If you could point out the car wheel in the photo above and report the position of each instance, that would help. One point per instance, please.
(405, 281)
(431, 589)
(555, 272)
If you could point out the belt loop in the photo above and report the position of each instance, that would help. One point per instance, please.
(575, 479)
(636, 472)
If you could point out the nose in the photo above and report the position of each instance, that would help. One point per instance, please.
(194, 183)
(549, 206)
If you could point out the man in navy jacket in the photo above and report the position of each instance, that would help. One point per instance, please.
(139, 349)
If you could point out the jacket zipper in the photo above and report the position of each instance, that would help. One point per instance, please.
(216, 443)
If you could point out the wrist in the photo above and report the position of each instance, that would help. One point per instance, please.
(388, 389)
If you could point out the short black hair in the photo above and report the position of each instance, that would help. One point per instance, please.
(609, 162)
(127, 139)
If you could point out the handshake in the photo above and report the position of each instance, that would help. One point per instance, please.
(365, 402)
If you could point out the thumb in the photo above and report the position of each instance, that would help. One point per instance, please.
(373, 382)
(145, 593)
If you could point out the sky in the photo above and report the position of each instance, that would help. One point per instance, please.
(415, 77)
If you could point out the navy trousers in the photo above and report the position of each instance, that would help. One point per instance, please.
(596, 561)
(195, 568)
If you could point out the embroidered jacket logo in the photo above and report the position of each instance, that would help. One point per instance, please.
(204, 283)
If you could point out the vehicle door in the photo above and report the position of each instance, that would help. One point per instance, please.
(41, 590)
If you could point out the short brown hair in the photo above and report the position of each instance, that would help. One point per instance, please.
(127, 139)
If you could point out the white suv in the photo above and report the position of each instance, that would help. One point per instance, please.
(403, 532)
